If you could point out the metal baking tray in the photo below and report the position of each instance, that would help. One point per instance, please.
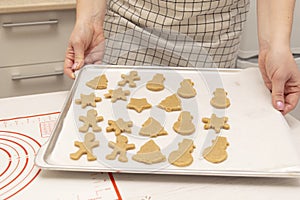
(260, 141)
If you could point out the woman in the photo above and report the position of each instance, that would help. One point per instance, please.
(215, 24)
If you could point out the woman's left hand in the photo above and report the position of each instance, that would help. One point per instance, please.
(282, 77)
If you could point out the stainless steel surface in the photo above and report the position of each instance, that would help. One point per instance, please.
(20, 76)
(44, 161)
(36, 23)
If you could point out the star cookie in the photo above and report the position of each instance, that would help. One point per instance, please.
(138, 104)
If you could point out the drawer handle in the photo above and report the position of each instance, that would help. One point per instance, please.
(20, 77)
(37, 23)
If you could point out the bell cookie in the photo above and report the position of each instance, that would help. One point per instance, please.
(152, 128)
(149, 153)
(170, 103)
(99, 82)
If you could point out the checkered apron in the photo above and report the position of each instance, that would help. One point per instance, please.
(193, 33)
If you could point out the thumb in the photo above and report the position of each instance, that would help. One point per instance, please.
(278, 94)
(78, 56)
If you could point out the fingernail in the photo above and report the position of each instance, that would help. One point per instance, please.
(279, 105)
(73, 76)
(74, 66)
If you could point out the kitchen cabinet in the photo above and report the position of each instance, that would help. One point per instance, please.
(32, 50)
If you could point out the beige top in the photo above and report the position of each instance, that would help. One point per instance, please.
(16, 6)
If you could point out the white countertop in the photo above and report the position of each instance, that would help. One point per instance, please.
(146, 187)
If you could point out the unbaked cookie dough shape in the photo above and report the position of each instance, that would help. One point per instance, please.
(88, 100)
(139, 104)
(120, 147)
(152, 128)
(157, 83)
(183, 156)
(86, 147)
(149, 153)
(117, 94)
(184, 124)
(216, 153)
(220, 99)
(170, 103)
(186, 89)
(216, 123)
(119, 126)
(90, 120)
(133, 76)
(99, 82)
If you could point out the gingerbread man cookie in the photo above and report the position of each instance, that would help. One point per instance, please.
(138, 104)
(85, 147)
(152, 128)
(220, 99)
(119, 126)
(117, 94)
(120, 147)
(186, 89)
(157, 83)
(99, 82)
(184, 125)
(216, 123)
(90, 120)
(133, 76)
(88, 100)
(183, 156)
(216, 153)
(149, 153)
(170, 103)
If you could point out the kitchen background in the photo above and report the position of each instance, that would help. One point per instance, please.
(34, 36)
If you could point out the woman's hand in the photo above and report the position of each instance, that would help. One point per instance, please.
(86, 45)
(282, 76)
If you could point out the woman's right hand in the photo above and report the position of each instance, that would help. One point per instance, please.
(86, 45)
